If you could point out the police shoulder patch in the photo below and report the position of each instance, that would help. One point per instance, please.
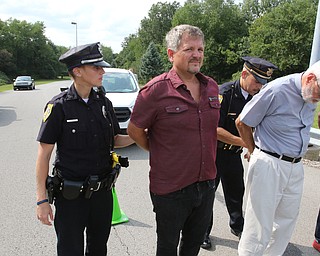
(47, 112)
(220, 98)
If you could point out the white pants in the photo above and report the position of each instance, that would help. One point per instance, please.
(273, 191)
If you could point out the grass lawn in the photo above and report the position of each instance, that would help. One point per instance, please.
(315, 120)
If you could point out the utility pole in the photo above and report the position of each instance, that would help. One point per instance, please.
(315, 52)
(75, 23)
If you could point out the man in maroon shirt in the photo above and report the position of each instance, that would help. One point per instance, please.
(175, 118)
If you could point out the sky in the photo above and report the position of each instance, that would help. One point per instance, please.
(104, 21)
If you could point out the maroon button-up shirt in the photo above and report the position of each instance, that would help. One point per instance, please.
(182, 133)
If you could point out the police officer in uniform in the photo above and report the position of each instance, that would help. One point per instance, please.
(83, 126)
(233, 96)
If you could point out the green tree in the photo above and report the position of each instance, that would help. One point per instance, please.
(7, 65)
(151, 63)
(32, 53)
(285, 34)
(154, 27)
(107, 54)
(131, 53)
(254, 9)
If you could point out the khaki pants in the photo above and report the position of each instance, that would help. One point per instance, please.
(272, 195)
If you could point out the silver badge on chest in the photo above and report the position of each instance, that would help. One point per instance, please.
(104, 112)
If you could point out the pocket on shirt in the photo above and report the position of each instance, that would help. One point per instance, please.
(214, 104)
(176, 109)
(75, 135)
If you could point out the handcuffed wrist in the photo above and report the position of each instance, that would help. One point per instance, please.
(42, 201)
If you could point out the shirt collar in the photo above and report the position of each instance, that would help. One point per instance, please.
(176, 80)
(245, 94)
(73, 95)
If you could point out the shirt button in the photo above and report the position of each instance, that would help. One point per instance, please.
(73, 131)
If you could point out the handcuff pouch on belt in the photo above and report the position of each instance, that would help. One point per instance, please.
(72, 189)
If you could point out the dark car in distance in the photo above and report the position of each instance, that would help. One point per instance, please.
(24, 82)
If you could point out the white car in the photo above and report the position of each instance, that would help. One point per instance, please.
(122, 89)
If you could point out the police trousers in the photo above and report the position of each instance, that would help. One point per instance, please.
(273, 195)
(230, 173)
(74, 217)
(186, 211)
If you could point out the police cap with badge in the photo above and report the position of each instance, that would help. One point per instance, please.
(88, 54)
(261, 69)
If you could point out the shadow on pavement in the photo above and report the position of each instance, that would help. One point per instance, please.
(7, 115)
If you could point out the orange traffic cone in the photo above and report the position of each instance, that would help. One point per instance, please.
(118, 216)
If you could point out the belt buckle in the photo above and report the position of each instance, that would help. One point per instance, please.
(294, 160)
(239, 149)
(98, 186)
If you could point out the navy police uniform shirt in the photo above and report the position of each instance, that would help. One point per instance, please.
(232, 102)
(82, 133)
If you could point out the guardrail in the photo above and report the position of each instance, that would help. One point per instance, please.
(315, 136)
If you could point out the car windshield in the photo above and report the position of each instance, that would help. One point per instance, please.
(23, 78)
(119, 82)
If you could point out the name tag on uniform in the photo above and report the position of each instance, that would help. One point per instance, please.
(72, 120)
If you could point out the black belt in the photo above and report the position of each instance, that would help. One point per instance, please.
(282, 157)
(229, 147)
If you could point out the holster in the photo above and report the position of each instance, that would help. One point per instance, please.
(72, 189)
(53, 185)
(93, 184)
(114, 175)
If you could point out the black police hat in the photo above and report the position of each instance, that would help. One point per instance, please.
(88, 54)
(259, 68)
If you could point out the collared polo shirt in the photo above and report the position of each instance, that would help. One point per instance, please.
(282, 119)
(182, 133)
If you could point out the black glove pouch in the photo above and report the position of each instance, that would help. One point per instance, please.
(72, 189)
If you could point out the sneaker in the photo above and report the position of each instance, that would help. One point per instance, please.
(316, 245)
(206, 244)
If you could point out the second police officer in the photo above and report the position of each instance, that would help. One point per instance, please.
(83, 126)
(233, 96)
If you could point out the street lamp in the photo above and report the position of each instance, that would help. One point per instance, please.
(75, 23)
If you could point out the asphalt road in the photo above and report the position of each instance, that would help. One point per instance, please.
(21, 234)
